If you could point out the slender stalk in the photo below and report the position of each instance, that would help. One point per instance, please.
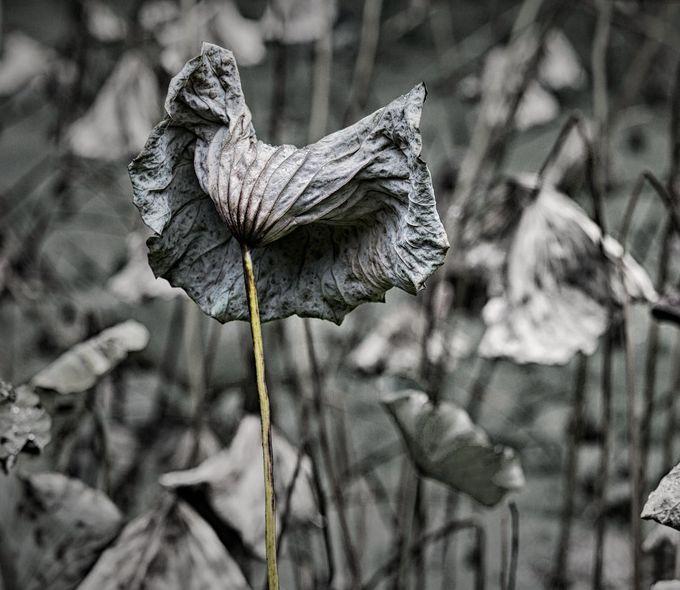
(597, 175)
(503, 572)
(514, 546)
(363, 68)
(633, 449)
(668, 455)
(265, 418)
(603, 468)
(652, 352)
(560, 576)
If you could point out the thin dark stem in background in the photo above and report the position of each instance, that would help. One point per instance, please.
(560, 576)
(480, 386)
(633, 448)
(285, 516)
(668, 455)
(597, 176)
(651, 363)
(602, 480)
(503, 571)
(173, 341)
(420, 544)
(514, 546)
(324, 442)
(278, 102)
(363, 67)
(321, 82)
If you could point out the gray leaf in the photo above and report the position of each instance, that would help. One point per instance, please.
(24, 424)
(62, 526)
(234, 483)
(550, 284)
(81, 367)
(166, 549)
(663, 504)
(445, 445)
(331, 225)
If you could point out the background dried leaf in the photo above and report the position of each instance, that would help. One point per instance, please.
(549, 283)
(81, 367)
(233, 479)
(445, 445)
(170, 547)
(24, 424)
(59, 528)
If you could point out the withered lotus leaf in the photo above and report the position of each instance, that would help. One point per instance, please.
(447, 446)
(330, 225)
(24, 424)
(663, 504)
(550, 285)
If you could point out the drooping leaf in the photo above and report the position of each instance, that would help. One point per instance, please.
(297, 21)
(23, 59)
(445, 445)
(61, 528)
(24, 424)
(235, 490)
(124, 111)
(135, 282)
(81, 367)
(663, 504)
(550, 286)
(167, 548)
(331, 225)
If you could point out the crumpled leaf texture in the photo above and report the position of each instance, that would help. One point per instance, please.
(233, 481)
(331, 225)
(62, 527)
(170, 547)
(549, 284)
(663, 504)
(445, 445)
(24, 424)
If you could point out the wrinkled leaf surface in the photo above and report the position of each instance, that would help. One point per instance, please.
(445, 445)
(331, 225)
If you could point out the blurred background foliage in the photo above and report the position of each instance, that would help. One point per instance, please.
(68, 228)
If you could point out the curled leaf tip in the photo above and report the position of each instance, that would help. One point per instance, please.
(331, 225)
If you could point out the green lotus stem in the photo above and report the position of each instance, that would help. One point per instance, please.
(265, 417)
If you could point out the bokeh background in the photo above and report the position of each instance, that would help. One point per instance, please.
(82, 82)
